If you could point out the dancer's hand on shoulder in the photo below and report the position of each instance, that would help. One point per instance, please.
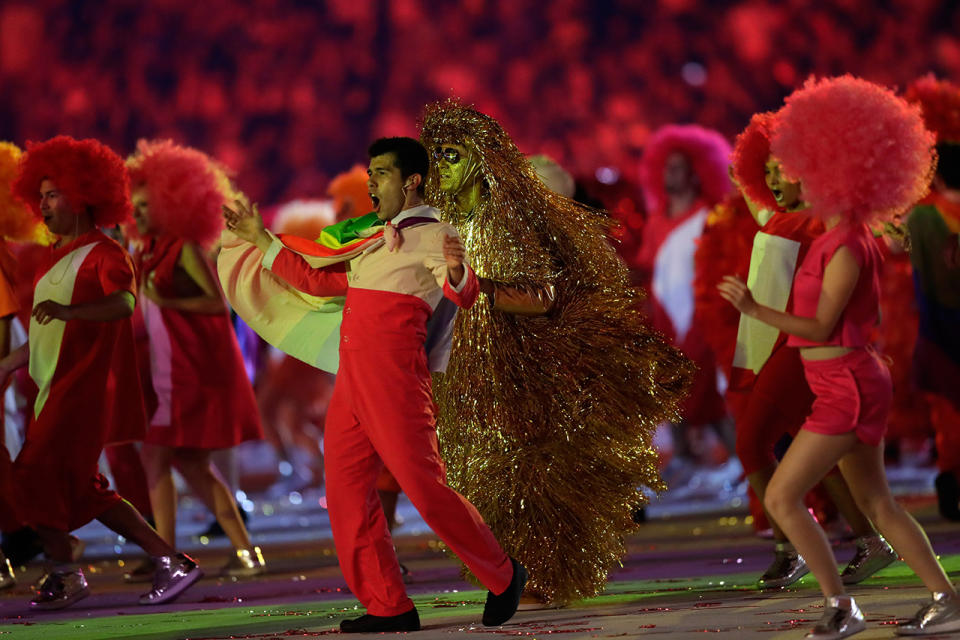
(735, 291)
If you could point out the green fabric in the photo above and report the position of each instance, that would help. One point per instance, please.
(346, 231)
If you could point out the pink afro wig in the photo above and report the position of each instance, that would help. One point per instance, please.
(856, 148)
(86, 172)
(185, 190)
(17, 223)
(708, 152)
(750, 153)
(940, 102)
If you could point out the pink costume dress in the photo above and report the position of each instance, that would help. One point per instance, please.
(204, 399)
(854, 391)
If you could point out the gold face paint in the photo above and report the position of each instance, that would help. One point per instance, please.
(457, 168)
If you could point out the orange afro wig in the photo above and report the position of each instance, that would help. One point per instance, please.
(750, 153)
(857, 149)
(940, 102)
(87, 173)
(185, 190)
(708, 152)
(17, 223)
(351, 197)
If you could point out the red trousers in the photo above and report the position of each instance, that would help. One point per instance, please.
(382, 414)
(777, 403)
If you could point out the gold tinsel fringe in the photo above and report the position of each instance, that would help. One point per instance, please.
(546, 423)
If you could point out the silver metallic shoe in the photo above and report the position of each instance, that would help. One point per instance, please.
(788, 566)
(60, 589)
(174, 575)
(245, 563)
(7, 579)
(840, 619)
(941, 615)
(873, 553)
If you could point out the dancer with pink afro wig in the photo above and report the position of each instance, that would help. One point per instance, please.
(81, 356)
(204, 399)
(683, 174)
(861, 154)
(768, 393)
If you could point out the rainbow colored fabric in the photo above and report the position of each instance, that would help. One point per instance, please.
(303, 326)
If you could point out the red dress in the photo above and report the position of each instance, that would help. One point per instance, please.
(89, 392)
(204, 399)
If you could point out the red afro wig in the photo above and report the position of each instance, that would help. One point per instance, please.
(185, 190)
(351, 197)
(857, 149)
(940, 102)
(17, 223)
(724, 247)
(708, 152)
(750, 153)
(86, 172)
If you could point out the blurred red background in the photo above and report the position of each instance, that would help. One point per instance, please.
(289, 92)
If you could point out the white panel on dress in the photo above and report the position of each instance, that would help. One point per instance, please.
(773, 263)
(673, 273)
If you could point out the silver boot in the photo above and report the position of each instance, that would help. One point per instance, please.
(873, 553)
(788, 566)
(60, 589)
(840, 619)
(174, 575)
(941, 615)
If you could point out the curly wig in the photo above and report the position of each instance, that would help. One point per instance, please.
(724, 247)
(351, 197)
(708, 152)
(87, 172)
(939, 101)
(750, 153)
(185, 190)
(857, 149)
(17, 223)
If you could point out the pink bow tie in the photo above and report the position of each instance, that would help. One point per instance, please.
(392, 237)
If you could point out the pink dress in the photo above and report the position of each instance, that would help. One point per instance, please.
(204, 399)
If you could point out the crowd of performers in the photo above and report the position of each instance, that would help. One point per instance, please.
(493, 355)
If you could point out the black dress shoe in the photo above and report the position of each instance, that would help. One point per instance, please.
(948, 495)
(501, 608)
(409, 621)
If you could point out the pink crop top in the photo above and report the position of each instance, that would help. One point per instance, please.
(863, 310)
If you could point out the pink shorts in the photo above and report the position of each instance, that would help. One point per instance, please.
(853, 393)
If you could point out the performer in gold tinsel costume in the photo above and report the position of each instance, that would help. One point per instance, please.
(554, 389)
